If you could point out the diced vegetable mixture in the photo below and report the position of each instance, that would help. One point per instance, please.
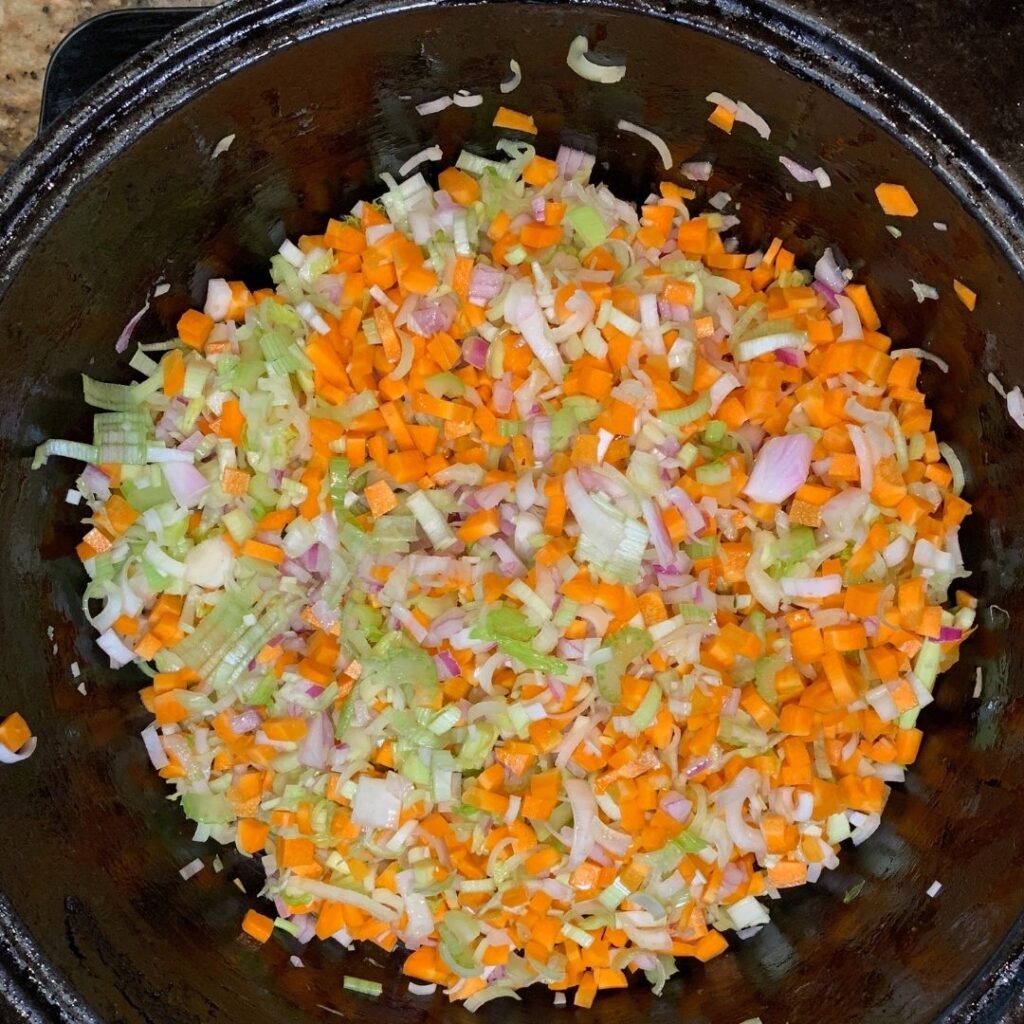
(531, 581)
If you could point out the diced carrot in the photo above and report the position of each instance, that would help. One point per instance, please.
(480, 524)
(294, 852)
(344, 237)
(232, 421)
(965, 295)
(265, 552)
(287, 729)
(235, 482)
(174, 373)
(722, 118)
(257, 926)
(895, 200)
(14, 732)
(512, 119)
(462, 187)
(539, 171)
(787, 873)
(252, 835)
(194, 328)
(380, 498)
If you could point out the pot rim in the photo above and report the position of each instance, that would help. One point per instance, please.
(113, 115)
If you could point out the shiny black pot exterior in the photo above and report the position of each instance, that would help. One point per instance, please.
(95, 923)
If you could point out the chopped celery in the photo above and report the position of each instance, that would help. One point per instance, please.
(587, 223)
(626, 645)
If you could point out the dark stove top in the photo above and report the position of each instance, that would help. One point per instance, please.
(966, 55)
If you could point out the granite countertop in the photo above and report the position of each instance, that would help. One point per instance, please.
(29, 30)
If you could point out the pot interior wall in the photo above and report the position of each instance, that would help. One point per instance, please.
(92, 847)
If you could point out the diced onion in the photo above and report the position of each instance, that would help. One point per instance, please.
(921, 353)
(8, 756)
(798, 171)
(433, 106)
(430, 153)
(1015, 406)
(510, 84)
(781, 466)
(696, 171)
(605, 74)
(923, 291)
(655, 140)
(193, 867)
(745, 115)
(222, 147)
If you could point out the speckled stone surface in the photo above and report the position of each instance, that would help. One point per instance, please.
(29, 30)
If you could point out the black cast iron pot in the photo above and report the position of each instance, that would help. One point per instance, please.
(95, 923)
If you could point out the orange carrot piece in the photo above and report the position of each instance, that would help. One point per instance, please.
(512, 119)
(968, 297)
(895, 200)
(257, 926)
(174, 373)
(380, 498)
(263, 551)
(14, 732)
(194, 328)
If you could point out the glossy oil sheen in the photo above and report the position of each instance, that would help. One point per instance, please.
(95, 922)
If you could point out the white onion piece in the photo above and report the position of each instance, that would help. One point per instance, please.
(604, 74)
(8, 756)
(129, 328)
(584, 820)
(842, 514)
(923, 291)
(292, 253)
(375, 806)
(433, 106)
(209, 563)
(865, 458)
(827, 271)
(920, 353)
(746, 115)
(465, 99)
(154, 748)
(798, 171)
(655, 140)
(186, 483)
(222, 147)
(115, 649)
(522, 311)
(853, 330)
(866, 830)
(723, 101)
(814, 587)
(780, 468)
(430, 153)
(696, 170)
(896, 552)
(1015, 406)
(193, 867)
(218, 299)
(517, 76)
(928, 556)
(720, 390)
